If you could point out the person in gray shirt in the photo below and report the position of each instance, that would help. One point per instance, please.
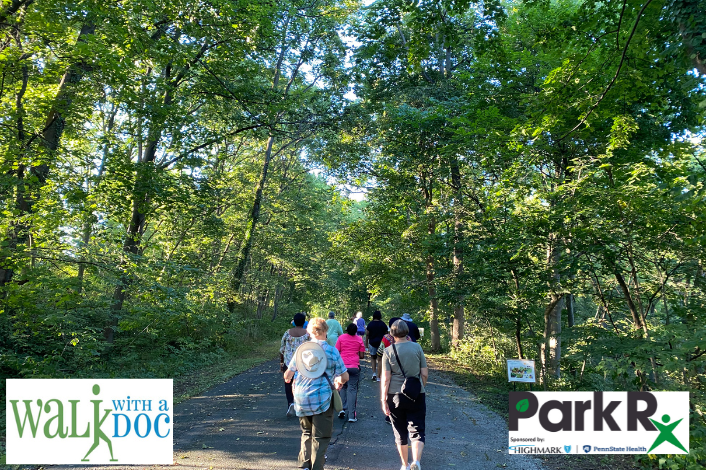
(408, 417)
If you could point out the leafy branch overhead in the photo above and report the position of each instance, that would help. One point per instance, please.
(526, 179)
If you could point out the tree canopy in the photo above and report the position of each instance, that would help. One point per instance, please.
(176, 179)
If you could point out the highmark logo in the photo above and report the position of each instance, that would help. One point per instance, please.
(73, 421)
(612, 422)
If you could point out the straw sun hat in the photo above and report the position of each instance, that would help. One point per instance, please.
(311, 360)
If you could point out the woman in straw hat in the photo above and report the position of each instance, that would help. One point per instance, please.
(316, 368)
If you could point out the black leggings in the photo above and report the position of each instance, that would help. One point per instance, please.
(408, 417)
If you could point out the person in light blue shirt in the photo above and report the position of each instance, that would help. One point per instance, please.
(334, 329)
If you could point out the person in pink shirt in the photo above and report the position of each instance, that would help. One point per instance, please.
(352, 349)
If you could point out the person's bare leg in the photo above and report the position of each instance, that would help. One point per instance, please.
(402, 449)
(417, 448)
(374, 364)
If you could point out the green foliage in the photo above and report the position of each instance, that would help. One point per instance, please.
(133, 141)
(527, 161)
(556, 147)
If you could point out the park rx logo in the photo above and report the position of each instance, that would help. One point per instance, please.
(599, 422)
(89, 421)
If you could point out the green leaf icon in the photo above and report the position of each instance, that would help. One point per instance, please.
(522, 405)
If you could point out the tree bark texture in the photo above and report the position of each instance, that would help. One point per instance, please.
(51, 137)
(551, 353)
(628, 299)
(518, 337)
(433, 301)
(570, 304)
(459, 312)
(246, 245)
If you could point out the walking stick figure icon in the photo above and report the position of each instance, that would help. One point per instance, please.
(98, 434)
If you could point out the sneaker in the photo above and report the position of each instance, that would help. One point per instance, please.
(375, 378)
(342, 414)
(352, 420)
(415, 465)
(290, 411)
(404, 467)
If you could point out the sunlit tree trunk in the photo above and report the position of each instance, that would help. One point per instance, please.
(551, 345)
(32, 178)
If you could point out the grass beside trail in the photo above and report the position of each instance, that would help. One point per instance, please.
(492, 391)
(191, 384)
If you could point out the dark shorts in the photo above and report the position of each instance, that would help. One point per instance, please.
(408, 417)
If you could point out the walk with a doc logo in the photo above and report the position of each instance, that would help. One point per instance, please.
(86, 421)
(599, 422)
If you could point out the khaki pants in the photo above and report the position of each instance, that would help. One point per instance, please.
(316, 434)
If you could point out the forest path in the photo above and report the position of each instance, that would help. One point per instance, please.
(241, 424)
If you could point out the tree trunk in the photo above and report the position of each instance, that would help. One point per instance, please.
(628, 299)
(141, 192)
(56, 120)
(278, 294)
(27, 191)
(570, 302)
(459, 312)
(246, 245)
(551, 354)
(17, 234)
(262, 302)
(140, 204)
(85, 239)
(518, 337)
(551, 346)
(433, 302)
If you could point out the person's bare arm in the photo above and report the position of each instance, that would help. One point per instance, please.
(424, 372)
(384, 387)
(288, 375)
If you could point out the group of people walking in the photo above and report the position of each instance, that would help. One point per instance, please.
(321, 359)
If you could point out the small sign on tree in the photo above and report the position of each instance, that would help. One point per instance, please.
(520, 370)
